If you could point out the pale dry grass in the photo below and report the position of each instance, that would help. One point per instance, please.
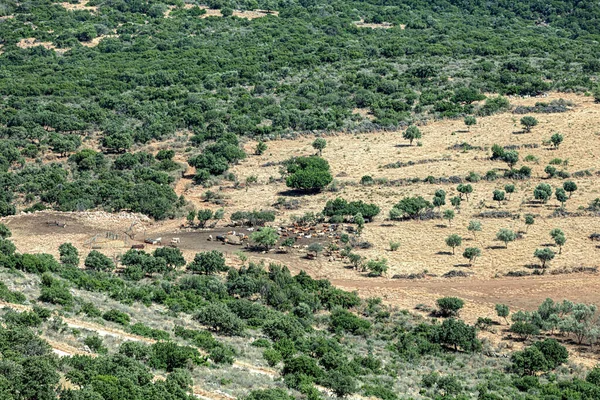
(365, 154)
(79, 6)
(383, 25)
(28, 43)
(96, 41)
(239, 13)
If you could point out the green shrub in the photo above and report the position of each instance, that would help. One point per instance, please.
(116, 316)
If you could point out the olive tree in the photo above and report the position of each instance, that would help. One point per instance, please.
(509, 189)
(529, 220)
(377, 267)
(471, 253)
(449, 215)
(528, 122)
(449, 306)
(542, 192)
(502, 311)
(453, 241)
(319, 144)
(207, 263)
(506, 235)
(465, 189)
(570, 187)
(266, 237)
(412, 133)
(556, 140)
(511, 158)
(561, 196)
(498, 196)
(470, 121)
(559, 238)
(98, 261)
(544, 255)
(474, 226)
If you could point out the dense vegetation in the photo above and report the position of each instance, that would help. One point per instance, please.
(212, 79)
(310, 332)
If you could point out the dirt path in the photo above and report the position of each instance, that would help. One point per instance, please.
(518, 292)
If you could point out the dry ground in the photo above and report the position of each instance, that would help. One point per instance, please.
(422, 244)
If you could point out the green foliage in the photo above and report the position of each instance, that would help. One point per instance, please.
(570, 186)
(544, 255)
(344, 208)
(556, 139)
(511, 158)
(410, 207)
(377, 267)
(207, 263)
(308, 174)
(502, 310)
(68, 254)
(529, 220)
(456, 334)
(319, 144)
(116, 316)
(464, 190)
(471, 253)
(98, 261)
(266, 237)
(509, 189)
(450, 306)
(542, 192)
(449, 215)
(260, 148)
(474, 226)
(96, 344)
(506, 235)
(55, 291)
(412, 133)
(561, 196)
(542, 356)
(528, 122)
(498, 196)
(470, 121)
(173, 256)
(315, 248)
(143, 330)
(5, 233)
(268, 394)
(10, 296)
(253, 218)
(203, 217)
(219, 318)
(342, 320)
(453, 241)
(524, 329)
(272, 356)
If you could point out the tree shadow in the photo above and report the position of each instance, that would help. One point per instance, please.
(462, 265)
(444, 253)
(548, 245)
(441, 226)
(496, 247)
(298, 193)
(521, 132)
(533, 266)
(403, 145)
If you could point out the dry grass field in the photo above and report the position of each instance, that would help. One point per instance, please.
(422, 243)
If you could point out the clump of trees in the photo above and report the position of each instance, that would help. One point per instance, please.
(309, 174)
(345, 209)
